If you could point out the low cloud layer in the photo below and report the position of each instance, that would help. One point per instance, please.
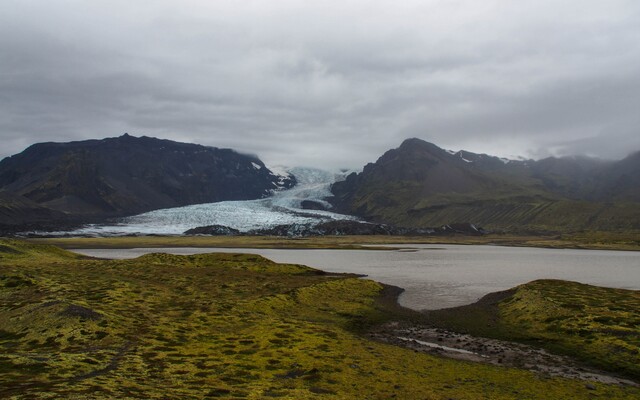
(328, 84)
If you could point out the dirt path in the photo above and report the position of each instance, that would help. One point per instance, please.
(491, 351)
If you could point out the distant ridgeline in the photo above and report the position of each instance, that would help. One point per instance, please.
(413, 187)
(420, 185)
(97, 179)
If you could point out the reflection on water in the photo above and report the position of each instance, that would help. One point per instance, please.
(448, 275)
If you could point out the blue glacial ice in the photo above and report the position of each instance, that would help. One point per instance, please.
(283, 207)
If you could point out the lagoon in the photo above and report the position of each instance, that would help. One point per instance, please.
(442, 276)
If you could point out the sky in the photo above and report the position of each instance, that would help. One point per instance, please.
(327, 84)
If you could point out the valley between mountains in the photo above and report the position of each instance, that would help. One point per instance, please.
(142, 185)
(232, 325)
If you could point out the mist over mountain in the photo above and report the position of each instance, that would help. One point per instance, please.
(128, 175)
(420, 184)
(621, 180)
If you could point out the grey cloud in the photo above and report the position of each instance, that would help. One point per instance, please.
(329, 84)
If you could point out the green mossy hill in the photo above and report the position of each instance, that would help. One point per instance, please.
(526, 213)
(220, 326)
(13, 249)
(514, 212)
(245, 262)
(600, 326)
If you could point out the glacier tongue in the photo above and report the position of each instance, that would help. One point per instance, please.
(283, 207)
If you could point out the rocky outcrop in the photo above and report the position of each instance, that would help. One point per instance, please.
(312, 205)
(213, 230)
(340, 228)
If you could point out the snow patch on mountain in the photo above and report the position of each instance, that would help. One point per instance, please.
(462, 157)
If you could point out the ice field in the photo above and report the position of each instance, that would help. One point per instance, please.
(283, 207)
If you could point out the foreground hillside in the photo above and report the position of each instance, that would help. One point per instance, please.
(128, 175)
(600, 326)
(223, 325)
(419, 184)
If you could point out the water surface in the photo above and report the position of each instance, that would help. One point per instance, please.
(440, 276)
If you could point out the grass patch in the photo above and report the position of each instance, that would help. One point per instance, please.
(600, 326)
(623, 240)
(222, 325)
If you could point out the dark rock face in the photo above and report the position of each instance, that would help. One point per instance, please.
(213, 230)
(129, 175)
(298, 230)
(464, 228)
(287, 230)
(354, 228)
(312, 205)
(345, 227)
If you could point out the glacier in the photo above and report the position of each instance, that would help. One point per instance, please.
(282, 207)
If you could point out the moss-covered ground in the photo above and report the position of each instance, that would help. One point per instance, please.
(600, 326)
(220, 326)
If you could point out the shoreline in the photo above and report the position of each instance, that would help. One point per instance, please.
(411, 329)
(625, 241)
(399, 326)
(450, 344)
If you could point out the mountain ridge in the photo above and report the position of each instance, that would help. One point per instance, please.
(127, 175)
(420, 184)
(416, 185)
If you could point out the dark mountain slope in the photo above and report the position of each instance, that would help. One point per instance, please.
(414, 171)
(15, 209)
(18, 213)
(572, 177)
(420, 184)
(128, 175)
(621, 180)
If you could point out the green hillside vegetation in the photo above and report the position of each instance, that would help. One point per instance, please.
(521, 213)
(422, 185)
(600, 326)
(220, 326)
(400, 203)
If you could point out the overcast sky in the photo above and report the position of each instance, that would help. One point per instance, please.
(325, 83)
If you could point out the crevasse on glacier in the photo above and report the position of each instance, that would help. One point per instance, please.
(283, 207)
